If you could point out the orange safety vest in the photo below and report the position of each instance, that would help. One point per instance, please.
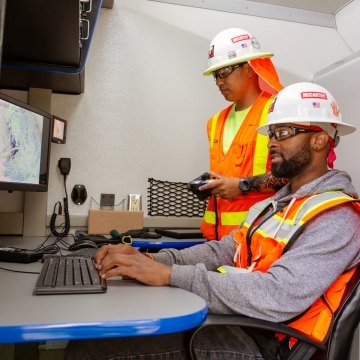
(247, 156)
(271, 238)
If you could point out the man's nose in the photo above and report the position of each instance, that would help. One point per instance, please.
(272, 142)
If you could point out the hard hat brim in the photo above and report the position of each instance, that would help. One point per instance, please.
(343, 128)
(237, 60)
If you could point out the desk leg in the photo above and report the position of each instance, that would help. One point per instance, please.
(28, 351)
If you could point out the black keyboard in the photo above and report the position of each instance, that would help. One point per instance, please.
(69, 275)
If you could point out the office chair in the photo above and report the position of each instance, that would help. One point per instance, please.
(335, 346)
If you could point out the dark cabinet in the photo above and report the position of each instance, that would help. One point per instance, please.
(45, 43)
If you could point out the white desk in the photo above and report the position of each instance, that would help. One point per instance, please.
(126, 309)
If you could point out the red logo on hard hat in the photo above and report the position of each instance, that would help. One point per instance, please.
(335, 108)
(313, 95)
(211, 52)
(240, 38)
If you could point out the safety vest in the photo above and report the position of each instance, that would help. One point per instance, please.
(271, 237)
(247, 156)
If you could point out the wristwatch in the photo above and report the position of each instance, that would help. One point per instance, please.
(244, 186)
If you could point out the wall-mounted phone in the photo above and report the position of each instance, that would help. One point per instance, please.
(59, 130)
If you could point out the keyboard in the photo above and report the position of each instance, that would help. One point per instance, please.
(89, 252)
(69, 275)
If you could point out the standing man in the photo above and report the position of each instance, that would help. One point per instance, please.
(247, 78)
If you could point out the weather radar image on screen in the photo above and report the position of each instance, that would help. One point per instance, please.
(24, 146)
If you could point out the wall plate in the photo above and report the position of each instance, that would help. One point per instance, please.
(134, 202)
(107, 201)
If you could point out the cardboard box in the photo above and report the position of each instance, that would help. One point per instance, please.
(103, 221)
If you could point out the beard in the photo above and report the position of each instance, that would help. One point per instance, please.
(294, 165)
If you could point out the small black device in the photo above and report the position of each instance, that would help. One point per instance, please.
(83, 244)
(181, 233)
(64, 165)
(97, 239)
(134, 233)
(79, 194)
(244, 186)
(59, 130)
(194, 185)
(82, 235)
(18, 255)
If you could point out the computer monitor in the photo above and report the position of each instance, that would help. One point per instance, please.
(25, 136)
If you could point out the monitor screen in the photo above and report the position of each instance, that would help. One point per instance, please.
(25, 135)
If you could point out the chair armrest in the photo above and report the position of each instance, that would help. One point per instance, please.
(248, 322)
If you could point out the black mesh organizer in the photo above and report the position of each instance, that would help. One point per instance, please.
(166, 198)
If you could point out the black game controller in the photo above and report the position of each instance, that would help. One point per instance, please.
(194, 185)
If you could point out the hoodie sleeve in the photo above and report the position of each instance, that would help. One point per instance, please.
(328, 245)
(211, 254)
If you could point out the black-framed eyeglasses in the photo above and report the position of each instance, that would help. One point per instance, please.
(226, 71)
(284, 132)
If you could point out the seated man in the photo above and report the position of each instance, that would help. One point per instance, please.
(292, 248)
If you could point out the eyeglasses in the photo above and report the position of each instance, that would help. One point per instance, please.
(282, 133)
(226, 71)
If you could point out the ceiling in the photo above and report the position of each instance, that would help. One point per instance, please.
(312, 12)
(323, 6)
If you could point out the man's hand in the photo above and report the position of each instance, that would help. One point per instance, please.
(225, 187)
(228, 187)
(124, 260)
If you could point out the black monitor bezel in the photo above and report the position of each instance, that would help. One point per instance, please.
(45, 149)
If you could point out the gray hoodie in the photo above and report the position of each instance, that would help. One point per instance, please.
(328, 245)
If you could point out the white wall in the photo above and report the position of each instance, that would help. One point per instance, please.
(146, 103)
(347, 21)
(344, 83)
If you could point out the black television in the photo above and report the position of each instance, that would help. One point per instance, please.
(25, 137)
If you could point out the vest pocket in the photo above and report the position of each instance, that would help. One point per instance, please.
(239, 153)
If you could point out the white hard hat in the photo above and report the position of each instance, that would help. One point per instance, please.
(233, 46)
(307, 104)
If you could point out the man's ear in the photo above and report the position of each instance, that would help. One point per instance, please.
(320, 140)
(249, 70)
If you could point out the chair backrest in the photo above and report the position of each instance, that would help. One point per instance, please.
(346, 320)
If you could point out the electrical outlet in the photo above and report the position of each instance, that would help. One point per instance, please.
(134, 202)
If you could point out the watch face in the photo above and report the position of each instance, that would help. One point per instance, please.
(244, 185)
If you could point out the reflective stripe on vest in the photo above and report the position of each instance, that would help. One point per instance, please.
(261, 144)
(210, 217)
(213, 128)
(285, 226)
(227, 218)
